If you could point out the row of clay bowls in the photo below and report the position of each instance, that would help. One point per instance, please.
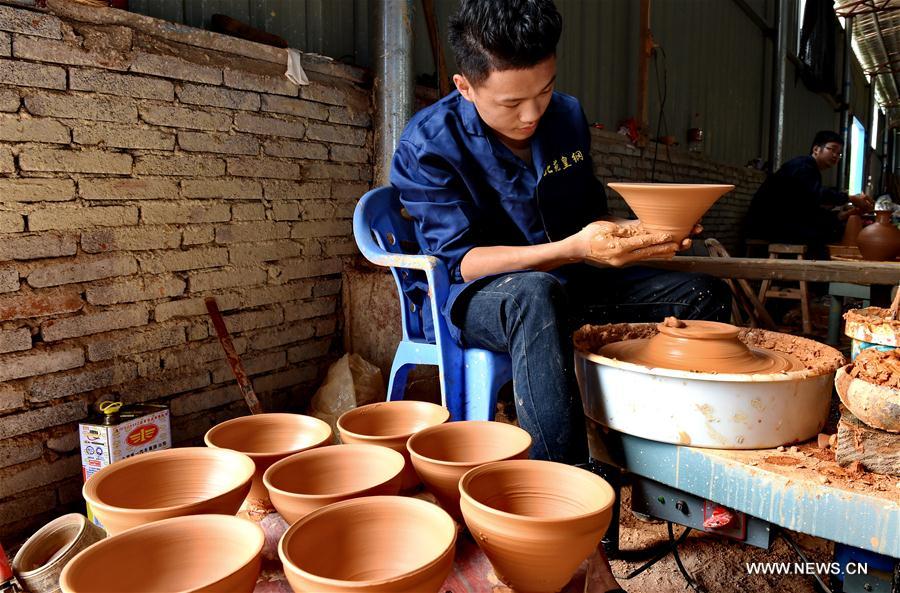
(408, 543)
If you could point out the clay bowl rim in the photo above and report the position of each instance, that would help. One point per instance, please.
(89, 489)
(354, 585)
(843, 381)
(324, 452)
(258, 454)
(449, 427)
(393, 403)
(646, 185)
(165, 524)
(472, 473)
(719, 377)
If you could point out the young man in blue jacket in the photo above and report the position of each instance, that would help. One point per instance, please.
(498, 177)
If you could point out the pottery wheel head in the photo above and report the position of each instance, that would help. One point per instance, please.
(700, 346)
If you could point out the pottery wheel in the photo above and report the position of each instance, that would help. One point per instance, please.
(700, 346)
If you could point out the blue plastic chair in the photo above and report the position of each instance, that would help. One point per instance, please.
(469, 377)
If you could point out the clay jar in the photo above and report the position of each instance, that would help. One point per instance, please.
(536, 521)
(442, 454)
(306, 481)
(852, 229)
(40, 560)
(879, 241)
(670, 207)
(700, 346)
(377, 544)
(170, 483)
(390, 424)
(184, 554)
(266, 438)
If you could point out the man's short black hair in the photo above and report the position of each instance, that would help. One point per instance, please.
(494, 35)
(824, 137)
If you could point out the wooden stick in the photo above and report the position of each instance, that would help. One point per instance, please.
(234, 361)
(437, 50)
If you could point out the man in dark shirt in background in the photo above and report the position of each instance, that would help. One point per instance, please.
(792, 206)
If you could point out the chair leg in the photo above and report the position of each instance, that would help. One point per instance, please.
(397, 382)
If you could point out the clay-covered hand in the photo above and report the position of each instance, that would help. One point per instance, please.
(863, 202)
(617, 245)
(638, 228)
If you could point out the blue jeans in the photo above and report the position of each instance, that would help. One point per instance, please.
(532, 316)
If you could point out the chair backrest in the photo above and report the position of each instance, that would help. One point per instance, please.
(380, 216)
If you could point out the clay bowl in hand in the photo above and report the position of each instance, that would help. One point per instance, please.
(442, 454)
(536, 521)
(306, 481)
(184, 554)
(376, 544)
(670, 207)
(266, 438)
(390, 424)
(171, 483)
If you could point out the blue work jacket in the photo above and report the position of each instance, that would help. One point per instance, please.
(465, 189)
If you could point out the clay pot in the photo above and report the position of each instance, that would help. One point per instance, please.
(851, 229)
(879, 241)
(536, 521)
(876, 405)
(387, 544)
(306, 481)
(40, 560)
(442, 454)
(184, 554)
(390, 424)
(170, 483)
(700, 346)
(266, 438)
(670, 207)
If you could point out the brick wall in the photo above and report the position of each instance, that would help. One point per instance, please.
(616, 159)
(144, 167)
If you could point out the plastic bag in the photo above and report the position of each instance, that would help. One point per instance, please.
(350, 382)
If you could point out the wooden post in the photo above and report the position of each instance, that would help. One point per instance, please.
(645, 51)
(437, 50)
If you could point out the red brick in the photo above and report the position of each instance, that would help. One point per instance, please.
(122, 136)
(196, 402)
(302, 268)
(14, 128)
(296, 149)
(143, 188)
(10, 222)
(218, 97)
(293, 106)
(165, 114)
(109, 83)
(127, 290)
(254, 253)
(58, 385)
(226, 278)
(130, 239)
(17, 73)
(218, 143)
(66, 218)
(19, 450)
(263, 167)
(72, 161)
(229, 189)
(173, 67)
(156, 388)
(256, 365)
(198, 355)
(39, 304)
(293, 190)
(184, 212)
(309, 309)
(39, 473)
(81, 106)
(12, 398)
(269, 126)
(62, 52)
(188, 259)
(179, 164)
(29, 22)
(242, 79)
(252, 232)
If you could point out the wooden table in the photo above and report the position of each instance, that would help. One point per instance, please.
(752, 268)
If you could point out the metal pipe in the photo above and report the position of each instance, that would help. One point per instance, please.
(779, 61)
(845, 101)
(394, 80)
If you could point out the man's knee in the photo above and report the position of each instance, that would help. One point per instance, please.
(537, 293)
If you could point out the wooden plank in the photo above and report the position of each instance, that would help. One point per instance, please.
(877, 450)
(752, 268)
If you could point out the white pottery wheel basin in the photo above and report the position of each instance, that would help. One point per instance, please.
(719, 411)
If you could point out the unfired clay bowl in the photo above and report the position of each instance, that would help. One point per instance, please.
(266, 438)
(442, 454)
(536, 521)
(306, 481)
(670, 207)
(377, 544)
(183, 554)
(390, 424)
(170, 483)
